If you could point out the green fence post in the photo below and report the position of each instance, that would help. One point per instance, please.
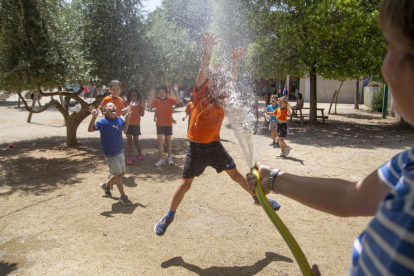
(385, 101)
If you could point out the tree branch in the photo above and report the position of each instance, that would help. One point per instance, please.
(46, 106)
(66, 93)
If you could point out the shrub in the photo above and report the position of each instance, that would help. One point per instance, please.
(377, 100)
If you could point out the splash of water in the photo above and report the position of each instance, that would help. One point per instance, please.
(240, 110)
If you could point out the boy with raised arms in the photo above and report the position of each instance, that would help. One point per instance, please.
(111, 127)
(207, 116)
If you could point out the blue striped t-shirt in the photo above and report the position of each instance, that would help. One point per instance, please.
(386, 247)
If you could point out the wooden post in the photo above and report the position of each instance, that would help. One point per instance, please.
(385, 102)
(356, 98)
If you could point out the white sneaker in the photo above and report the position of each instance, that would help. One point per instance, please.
(287, 150)
(170, 161)
(281, 154)
(160, 163)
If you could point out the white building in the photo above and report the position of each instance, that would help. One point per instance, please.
(325, 90)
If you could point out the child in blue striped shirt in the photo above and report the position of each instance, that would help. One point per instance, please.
(386, 247)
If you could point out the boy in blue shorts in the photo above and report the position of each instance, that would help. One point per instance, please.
(111, 127)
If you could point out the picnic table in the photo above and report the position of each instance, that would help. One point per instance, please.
(302, 115)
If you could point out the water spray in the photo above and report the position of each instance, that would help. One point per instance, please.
(240, 119)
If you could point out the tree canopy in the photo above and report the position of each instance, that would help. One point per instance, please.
(333, 38)
(45, 44)
(114, 40)
(31, 45)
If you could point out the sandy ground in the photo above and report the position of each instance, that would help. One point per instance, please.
(55, 219)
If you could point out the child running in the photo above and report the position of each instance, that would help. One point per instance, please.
(207, 116)
(164, 110)
(273, 121)
(134, 129)
(111, 127)
(189, 108)
(282, 113)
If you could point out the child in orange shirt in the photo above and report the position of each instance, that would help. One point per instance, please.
(207, 116)
(164, 110)
(134, 130)
(115, 87)
(282, 114)
(189, 108)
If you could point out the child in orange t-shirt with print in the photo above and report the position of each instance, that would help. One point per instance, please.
(282, 114)
(134, 130)
(205, 149)
(164, 109)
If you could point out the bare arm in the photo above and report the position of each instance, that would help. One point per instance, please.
(152, 98)
(268, 113)
(177, 96)
(94, 113)
(236, 56)
(124, 110)
(186, 115)
(209, 41)
(334, 196)
(127, 117)
(142, 108)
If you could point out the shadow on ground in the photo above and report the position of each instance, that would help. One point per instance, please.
(118, 208)
(41, 165)
(7, 268)
(235, 270)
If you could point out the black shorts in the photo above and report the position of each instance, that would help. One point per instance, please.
(281, 129)
(166, 130)
(199, 156)
(134, 130)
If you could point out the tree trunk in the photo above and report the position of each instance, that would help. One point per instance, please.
(73, 121)
(356, 98)
(71, 128)
(33, 106)
(335, 98)
(313, 98)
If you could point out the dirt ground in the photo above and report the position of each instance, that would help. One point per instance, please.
(55, 219)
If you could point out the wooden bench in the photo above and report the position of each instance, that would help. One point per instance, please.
(301, 115)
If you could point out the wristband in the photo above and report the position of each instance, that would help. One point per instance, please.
(272, 177)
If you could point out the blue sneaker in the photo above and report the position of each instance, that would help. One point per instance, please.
(272, 144)
(275, 205)
(162, 225)
(277, 145)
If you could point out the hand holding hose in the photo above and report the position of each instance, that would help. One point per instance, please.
(264, 172)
